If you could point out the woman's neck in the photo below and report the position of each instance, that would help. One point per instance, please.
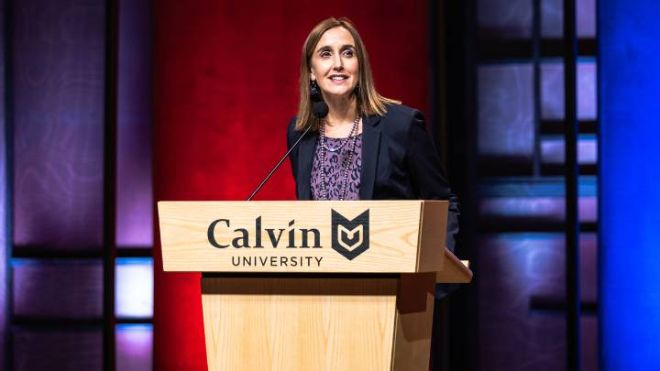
(341, 110)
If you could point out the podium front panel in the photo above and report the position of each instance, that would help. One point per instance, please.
(301, 236)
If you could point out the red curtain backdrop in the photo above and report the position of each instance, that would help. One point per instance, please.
(225, 82)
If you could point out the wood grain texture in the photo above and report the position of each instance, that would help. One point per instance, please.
(57, 81)
(394, 235)
(414, 319)
(291, 324)
(58, 290)
(57, 349)
(432, 235)
(454, 270)
(313, 322)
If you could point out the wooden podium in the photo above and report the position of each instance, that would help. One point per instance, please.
(313, 285)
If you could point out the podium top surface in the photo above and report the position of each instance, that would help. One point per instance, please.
(303, 236)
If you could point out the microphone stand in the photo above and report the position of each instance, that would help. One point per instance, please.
(272, 171)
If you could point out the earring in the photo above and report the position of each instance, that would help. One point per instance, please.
(314, 91)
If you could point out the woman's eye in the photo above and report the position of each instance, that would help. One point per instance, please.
(325, 54)
(348, 53)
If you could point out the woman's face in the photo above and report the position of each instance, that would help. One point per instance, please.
(335, 64)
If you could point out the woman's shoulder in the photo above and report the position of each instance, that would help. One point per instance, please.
(292, 122)
(400, 117)
(400, 110)
(291, 128)
(291, 131)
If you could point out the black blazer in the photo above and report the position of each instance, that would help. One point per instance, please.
(399, 161)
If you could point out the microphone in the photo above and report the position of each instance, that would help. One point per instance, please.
(320, 110)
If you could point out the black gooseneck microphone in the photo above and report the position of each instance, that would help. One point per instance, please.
(320, 110)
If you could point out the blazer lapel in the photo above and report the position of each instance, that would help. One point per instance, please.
(305, 160)
(370, 148)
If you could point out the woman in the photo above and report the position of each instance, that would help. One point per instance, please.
(367, 147)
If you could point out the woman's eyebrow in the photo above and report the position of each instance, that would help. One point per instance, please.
(328, 48)
(324, 48)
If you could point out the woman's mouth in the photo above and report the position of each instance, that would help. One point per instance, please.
(338, 78)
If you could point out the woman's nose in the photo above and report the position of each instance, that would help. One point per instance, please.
(338, 63)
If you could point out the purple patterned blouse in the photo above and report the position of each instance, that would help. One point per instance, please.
(331, 169)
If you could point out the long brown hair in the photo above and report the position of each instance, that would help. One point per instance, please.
(369, 102)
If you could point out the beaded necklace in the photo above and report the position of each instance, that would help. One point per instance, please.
(345, 165)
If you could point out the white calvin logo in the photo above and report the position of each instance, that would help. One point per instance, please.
(346, 235)
(350, 238)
